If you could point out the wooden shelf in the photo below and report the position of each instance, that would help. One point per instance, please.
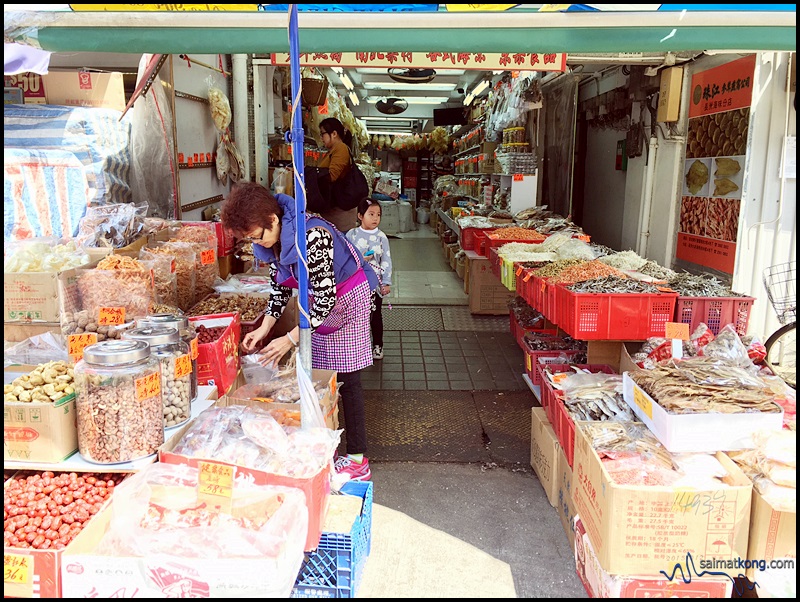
(467, 151)
(203, 165)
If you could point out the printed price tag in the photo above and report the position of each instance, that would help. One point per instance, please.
(518, 177)
(557, 378)
(677, 330)
(641, 400)
(76, 343)
(17, 568)
(207, 257)
(215, 484)
(111, 316)
(519, 271)
(527, 277)
(183, 366)
(181, 158)
(195, 348)
(148, 386)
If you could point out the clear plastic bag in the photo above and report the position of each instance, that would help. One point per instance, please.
(158, 511)
(243, 284)
(253, 371)
(185, 258)
(727, 345)
(165, 280)
(36, 350)
(115, 225)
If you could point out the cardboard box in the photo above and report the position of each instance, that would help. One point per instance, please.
(329, 404)
(544, 453)
(31, 296)
(690, 432)
(565, 504)
(616, 354)
(487, 295)
(218, 362)
(38, 432)
(85, 89)
(773, 534)
(85, 573)
(639, 530)
(15, 332)
(669, 98)
(599, 584)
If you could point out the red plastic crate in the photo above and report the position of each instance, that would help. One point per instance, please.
(524, 284)
(470, 237)
(538, 286)
(496, 262)
(715, 312)
(480, 245)
(532, 361)
(518, 331)
(562, 422)
(614, 316)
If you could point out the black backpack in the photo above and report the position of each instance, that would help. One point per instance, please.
(349, 190)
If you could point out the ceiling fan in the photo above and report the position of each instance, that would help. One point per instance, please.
(391, 106)
(412, 76)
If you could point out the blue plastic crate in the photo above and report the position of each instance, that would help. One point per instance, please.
(334, 569)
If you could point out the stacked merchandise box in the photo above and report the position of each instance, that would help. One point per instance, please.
(544, 453)
(565, 503)
(487, 295)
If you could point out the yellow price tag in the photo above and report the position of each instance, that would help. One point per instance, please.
(641, 400)
(215, 479)
(148, 386)
(76, 343)
(17, 568)
(183, 366)
(111, 316)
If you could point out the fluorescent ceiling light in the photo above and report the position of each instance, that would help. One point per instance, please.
(468, 99)
(354, 99)
(414, 100)
(389, 132)
(337, 70)
(480, 87)
(346, 81)
(398, 86)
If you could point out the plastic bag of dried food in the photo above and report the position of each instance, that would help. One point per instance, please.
(38, 349)
(185, 259)
(220, 108)
(160, 512)
(727, 345)
(165, 279)
(116, 225)
(47, 254)
(204, 242)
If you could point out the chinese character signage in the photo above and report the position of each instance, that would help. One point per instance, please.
(111, 316)
(148, 386)
(716, 147)
(483, 61)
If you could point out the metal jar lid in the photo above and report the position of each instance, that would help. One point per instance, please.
(179, 322)
(154, 335)
(113, 353)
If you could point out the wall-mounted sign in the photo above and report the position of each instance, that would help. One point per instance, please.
(483, 61)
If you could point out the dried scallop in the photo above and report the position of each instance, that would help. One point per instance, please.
(724, 186)
(727, 167)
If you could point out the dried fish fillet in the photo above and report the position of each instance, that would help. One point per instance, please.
(727, 167)
(697, 177)
(724, 186)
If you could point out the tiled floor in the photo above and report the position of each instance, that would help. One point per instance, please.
(447, 361)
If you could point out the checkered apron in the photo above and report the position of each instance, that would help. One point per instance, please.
(347, 348)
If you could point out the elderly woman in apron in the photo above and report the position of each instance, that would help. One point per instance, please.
(340, 289)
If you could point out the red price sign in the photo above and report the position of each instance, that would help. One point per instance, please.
(148, 386)
(76, 343)
(207, 257)
(111, 316)
(518, 177)
(183, 366)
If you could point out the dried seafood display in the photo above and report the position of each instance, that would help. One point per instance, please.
(696, 177)
(596, 397)
(185, 258)
(613, 284)
(772, 466)
(587, 270)
(248, 306)
(706, 285)
(118, 282)
(659, 272)
(705, 384)
(624, 260)
(718, 135)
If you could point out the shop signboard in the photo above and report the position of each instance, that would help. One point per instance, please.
(716, 147)
(481, 61)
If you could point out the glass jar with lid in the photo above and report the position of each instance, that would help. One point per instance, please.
(118, 401)
(176, 369)
(188, 336)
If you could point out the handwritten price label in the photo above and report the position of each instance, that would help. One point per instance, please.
(207, 257)
(183, 366)
(215, 483)
(519, 271)
(111, 316)
(518, 177)
(76, 343)
(17, 568)
(195, 347)
(148, 386)
(641, 400)
(677, 330)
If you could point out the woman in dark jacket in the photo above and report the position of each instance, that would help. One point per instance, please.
(340, 285)
(337, 140)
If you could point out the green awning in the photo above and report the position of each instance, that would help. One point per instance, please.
(264, 32)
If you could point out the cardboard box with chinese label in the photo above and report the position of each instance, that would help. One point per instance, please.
(706, 432)
(544, 453)
(487, 295)
(640, 530)
(31, 296)
(289, 413)
(85, 89)
(218, 361)
(316, 487)
(37, 431)
(773, 534)
(88, 573)
(600, 584)
(565, 505)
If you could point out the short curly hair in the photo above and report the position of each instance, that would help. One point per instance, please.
(249, 206)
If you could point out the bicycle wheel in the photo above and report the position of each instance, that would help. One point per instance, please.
(781, 353)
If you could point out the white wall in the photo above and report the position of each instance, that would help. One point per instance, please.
(604, 188)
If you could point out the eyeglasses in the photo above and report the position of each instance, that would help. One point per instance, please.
(254, 238)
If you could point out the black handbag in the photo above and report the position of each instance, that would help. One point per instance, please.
(318, 189)
(352, 188)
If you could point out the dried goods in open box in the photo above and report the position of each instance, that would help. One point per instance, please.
(250, 307)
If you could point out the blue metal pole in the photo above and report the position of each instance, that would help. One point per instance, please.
(296, 138)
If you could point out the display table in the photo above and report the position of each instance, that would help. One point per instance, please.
(451, 223)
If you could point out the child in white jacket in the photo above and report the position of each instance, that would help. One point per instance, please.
(374, 246)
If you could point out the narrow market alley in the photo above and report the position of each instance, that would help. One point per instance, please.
(449, 423)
